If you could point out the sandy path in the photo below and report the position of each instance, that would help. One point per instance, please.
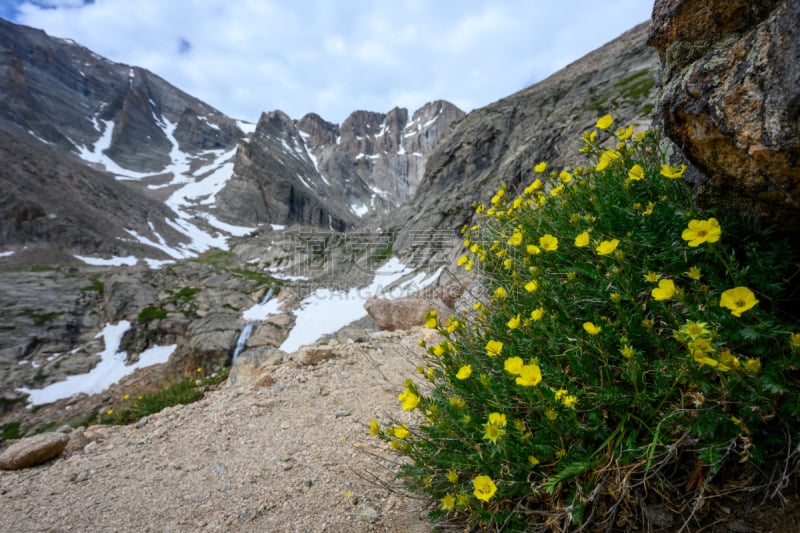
(284, 457)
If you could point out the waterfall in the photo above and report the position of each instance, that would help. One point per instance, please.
(242, 340)
(247, 330)
(268, 296)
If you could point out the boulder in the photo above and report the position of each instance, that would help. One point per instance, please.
(731, 100)
(313, 354)
(402, 313)
(33, 451)
(254, 366)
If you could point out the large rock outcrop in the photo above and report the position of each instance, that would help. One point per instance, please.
(731, 100)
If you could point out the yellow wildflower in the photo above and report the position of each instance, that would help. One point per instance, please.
(673, 172)
(604, 122)
(514, 322)
(463, 500)
(636, 173)
(532, 249)
(531, 286)
(550, 414)
(374, 428)
(461, 260)
(752, 365)
(700, 231)
(738, 300)
(533, 460)
(401, 431)
(125, 397)
(627, 351)
(512, 365)
(456, 402)
(430, 317)
(409, 400)
(529, 375)
(664, 291)
(537, 314)
(582, 239)
(565, 176)
(492, 433)
(590, 328)
(448, 502)
(500, 292)
(607, 247)
(555, 191)
(535, 186)
(603, 163)
(464, 372)
(484, 488)
(624, 134)
(694, 273)
(497, 419)
(493, 348)
(452, 476)
(516, 238)
(570, 401)
(498, 195)
(652, 277)
(548, 243)
(540, 167)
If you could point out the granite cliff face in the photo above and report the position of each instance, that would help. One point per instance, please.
(64, 94)
(74, 125)
(499, 144)
(731, 100)
(321, 174)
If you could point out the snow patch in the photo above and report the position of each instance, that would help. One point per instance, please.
(359, 209)
(110, 370)
(262, 311)
(303, 181)
(326, 311)
(114, 261)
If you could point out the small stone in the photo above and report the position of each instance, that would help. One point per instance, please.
(33, 451)
(278, 387)
(80, 477)
(91, 447)
(366, 513)
(77, 441)
(219, 468)
(341, 413)
(286, 424)
(142, 422)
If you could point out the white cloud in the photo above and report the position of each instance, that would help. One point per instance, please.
(249, 56)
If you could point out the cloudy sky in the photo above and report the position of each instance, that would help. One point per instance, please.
(333, 57)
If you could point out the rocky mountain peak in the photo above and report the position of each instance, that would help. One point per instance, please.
(318, 130)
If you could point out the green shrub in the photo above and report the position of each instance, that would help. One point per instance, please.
(629, 345)
(189, 389)
(150, 313)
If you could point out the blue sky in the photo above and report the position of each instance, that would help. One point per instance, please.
(334, 57)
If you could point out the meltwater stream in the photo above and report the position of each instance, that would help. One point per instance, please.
(247, 330)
